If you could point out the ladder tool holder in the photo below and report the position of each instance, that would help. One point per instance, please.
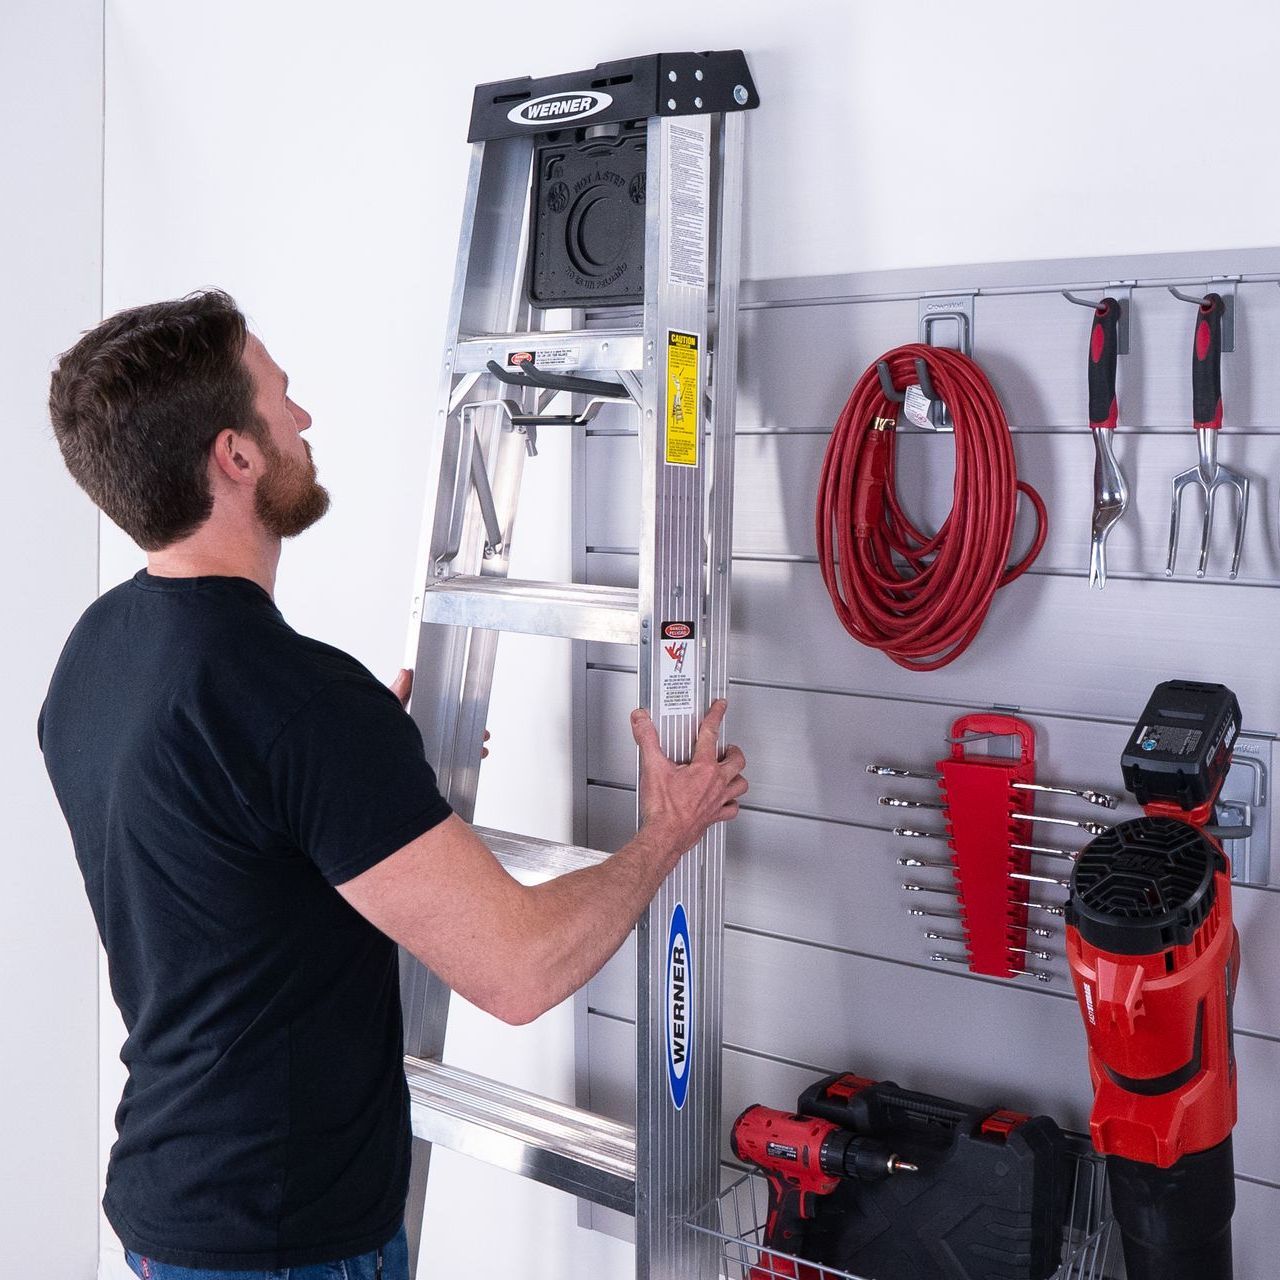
(529, 375)
(980, 803)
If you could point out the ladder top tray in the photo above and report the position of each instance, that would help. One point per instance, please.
(657, 84)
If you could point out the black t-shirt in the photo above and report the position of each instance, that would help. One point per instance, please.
(220, 774)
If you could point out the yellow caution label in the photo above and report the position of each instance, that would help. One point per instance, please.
(682, 399)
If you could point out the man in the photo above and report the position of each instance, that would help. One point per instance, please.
(258, 827)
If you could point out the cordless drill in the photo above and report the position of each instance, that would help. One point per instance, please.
(804, 1157)
(1155, 960)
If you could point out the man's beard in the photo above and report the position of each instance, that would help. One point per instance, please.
(289, 498)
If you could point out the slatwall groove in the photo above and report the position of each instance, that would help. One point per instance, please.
(1097, 670)
(742, 682)
(823, 966)
(1113, 575)
(1059, 464)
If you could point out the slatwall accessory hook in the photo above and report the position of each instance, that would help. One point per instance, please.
(886, 383)
(1122, 292)
(1225, 288)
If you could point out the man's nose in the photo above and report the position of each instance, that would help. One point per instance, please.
(300, 415)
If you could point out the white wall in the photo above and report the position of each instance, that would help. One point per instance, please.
(309, 157)
(50, 159)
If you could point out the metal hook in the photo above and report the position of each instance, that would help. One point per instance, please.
(886, 384)
(1259, 771)
(922, 377)
(1226, 289)
(1123, 294)
(976, 737)
(939, 414)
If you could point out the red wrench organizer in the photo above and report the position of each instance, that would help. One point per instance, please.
(980, 802)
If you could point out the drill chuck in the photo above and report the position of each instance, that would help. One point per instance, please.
(846, 1155)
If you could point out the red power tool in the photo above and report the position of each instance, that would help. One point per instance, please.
(803, 1157)
(1155, 960)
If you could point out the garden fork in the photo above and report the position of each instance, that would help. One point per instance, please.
(1208, 475)
(1110, 492)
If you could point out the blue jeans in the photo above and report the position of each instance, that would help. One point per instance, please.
(392, 1258)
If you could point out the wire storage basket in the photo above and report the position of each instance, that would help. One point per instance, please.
(736, 1218)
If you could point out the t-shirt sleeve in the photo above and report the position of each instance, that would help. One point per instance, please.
(349, 780)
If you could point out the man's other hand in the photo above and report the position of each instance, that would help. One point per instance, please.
(678, 802)
(402, 687)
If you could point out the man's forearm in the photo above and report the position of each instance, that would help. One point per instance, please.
(516, 950)
(576, 922)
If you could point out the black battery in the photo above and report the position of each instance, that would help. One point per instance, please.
(1180, 750)
(988, 1202)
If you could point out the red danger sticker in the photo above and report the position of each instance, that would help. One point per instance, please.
(677, 669)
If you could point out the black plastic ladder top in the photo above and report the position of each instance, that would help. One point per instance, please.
(658, 84)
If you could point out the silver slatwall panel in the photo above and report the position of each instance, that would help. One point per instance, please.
(812, 885)
(774, 467)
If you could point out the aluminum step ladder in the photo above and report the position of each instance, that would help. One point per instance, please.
(598, 265)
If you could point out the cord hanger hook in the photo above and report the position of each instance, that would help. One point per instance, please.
(1081, 302)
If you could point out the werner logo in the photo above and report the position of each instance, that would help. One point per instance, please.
(679, 1030)
(560, 108)
(1088, 1005)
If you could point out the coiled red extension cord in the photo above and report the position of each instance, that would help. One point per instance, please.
(925, 615)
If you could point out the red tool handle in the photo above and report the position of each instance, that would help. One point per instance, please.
(1206, 364)
(980, 802)
(983, 724)
(1104, 346)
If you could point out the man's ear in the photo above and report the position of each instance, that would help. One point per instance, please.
(235, 457)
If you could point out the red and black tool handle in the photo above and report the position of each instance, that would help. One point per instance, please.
(1104, 351)
(1206, 364)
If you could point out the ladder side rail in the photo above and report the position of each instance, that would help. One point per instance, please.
(486, 290)
(486, 294)
(586, 1209)
(473, 706)
(729, 194)
(675, 1170)
(438, 472)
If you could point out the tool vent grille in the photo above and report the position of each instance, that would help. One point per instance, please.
(1146, 872)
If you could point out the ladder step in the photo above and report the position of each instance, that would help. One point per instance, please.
(572, 351)
(569, 610)
(573, 1150)
(532, 860)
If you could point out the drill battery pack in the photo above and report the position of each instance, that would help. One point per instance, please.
(988, 1202)
(1180, 751)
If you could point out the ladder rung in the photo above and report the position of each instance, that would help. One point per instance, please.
(573, 351)
(570, 610)
(573, 1150)
(532, 860)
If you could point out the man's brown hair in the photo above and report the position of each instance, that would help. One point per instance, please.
(139, 400)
